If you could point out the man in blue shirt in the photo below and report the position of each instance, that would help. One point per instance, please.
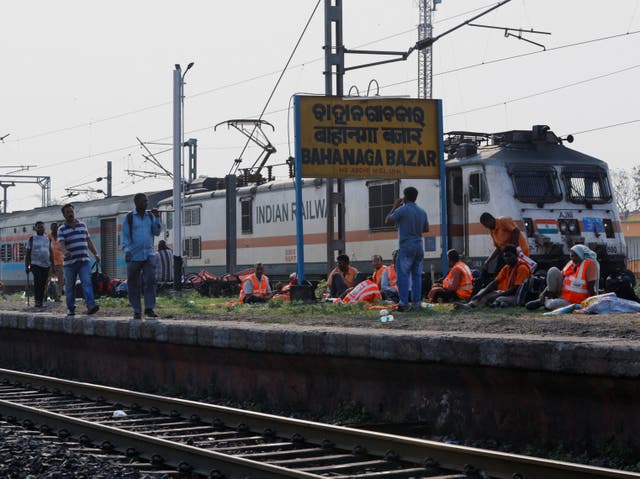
(412, 223)
(75, 244)
(138, 230)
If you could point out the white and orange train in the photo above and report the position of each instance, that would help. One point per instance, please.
(557, 196)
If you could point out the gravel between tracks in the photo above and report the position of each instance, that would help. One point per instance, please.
(29, 455)
(512, 321)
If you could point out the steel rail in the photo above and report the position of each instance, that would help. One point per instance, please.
(493, 464)
(172, 453)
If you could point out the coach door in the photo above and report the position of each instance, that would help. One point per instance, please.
(456, 228)
(109, 246)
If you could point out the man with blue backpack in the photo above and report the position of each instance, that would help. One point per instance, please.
(138, 231)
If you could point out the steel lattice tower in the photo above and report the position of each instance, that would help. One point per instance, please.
(425, 65)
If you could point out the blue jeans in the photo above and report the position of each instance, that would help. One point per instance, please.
(409, 265)
(82, 270)
(148, 277)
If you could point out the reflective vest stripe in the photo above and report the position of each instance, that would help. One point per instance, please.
(365, 291)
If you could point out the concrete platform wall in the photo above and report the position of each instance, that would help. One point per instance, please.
(475, 387)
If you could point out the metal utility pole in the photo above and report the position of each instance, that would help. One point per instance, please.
(334, 67)
(109, 179)
(178, 84)
(425, 57)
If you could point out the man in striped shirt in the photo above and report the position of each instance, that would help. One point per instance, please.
(75, 244)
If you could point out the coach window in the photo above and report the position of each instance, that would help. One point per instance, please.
(382, 194)
(478, 188)
(246, 212)
(5, 253)
(168, 219)
(192, 247)
(192, 216)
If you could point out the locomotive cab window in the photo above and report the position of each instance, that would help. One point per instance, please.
(382, 194)
(246, 214)
(586, 185)
(535, 184)
(478, 192)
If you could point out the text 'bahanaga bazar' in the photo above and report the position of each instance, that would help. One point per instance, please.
(373, 135)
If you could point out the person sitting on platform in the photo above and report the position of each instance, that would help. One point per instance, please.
(378, 269)
(366, 291)
(577, 281)
(457, 285)
(503, 289)
(285, 292)
(255, 287)
(389, 281)
(341, 278)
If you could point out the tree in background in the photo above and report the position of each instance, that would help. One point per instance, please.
(625, 189)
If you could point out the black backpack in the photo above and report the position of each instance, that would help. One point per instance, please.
(530, 289)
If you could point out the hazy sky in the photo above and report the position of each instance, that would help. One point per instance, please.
(83, 79)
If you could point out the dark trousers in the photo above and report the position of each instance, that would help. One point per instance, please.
(137, 272)
(338, 286)
(40, 276)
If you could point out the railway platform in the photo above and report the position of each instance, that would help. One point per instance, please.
(516, 388)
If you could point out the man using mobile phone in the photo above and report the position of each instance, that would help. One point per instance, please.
(412, 223)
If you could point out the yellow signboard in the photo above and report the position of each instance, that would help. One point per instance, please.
(368, 138)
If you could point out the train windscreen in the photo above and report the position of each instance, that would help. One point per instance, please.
(536, 184)
(586, 185)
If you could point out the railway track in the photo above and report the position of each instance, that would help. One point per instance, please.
(223, 442)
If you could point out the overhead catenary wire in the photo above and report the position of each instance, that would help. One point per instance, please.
(544, 92)
(275, 87)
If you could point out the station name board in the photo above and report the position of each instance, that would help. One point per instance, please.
(368, 138)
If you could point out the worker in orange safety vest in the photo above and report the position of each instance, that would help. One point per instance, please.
(457, 285)
(255, 287)
(389, 281)
(378, 269)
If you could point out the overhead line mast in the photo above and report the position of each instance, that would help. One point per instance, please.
(425, 58)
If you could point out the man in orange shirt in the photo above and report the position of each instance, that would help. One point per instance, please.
(503, 289)
(503, 231)
(341, 278)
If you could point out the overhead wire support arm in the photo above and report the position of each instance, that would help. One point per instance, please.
(427, 42)
(518, 33)
(153, 159)
(402, 56)
(420, 44)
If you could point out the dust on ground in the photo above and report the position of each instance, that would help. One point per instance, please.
(510, 321)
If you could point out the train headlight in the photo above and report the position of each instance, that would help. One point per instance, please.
(573, 227)
(562, 225)
(528, 226)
